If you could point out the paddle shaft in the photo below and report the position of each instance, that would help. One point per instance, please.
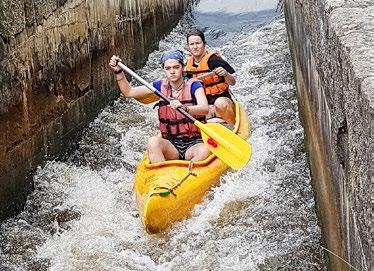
(152, 88)
(201, 77)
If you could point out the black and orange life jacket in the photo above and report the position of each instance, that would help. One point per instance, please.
(213, 84)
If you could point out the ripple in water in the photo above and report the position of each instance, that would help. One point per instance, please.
(82, 214)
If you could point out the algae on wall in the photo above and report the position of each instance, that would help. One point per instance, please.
(54, 77)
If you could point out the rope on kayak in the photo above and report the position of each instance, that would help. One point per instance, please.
(167, 191)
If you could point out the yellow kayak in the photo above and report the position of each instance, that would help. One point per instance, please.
(167, 192)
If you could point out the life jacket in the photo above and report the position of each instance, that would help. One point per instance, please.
(173, 123)
(213, 84)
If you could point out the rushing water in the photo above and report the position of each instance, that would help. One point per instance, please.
(82, 214)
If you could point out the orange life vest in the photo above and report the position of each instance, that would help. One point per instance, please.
(213, 84)
(173, 123)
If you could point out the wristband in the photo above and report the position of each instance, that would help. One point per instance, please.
(118, 72)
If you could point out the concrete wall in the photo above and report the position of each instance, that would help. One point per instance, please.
(331, 43)
(54, 77)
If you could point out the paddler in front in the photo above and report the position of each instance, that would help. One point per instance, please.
(180, 138)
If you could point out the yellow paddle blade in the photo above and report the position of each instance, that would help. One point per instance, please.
(225, 144)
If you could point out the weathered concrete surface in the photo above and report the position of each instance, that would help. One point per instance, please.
(331, 43)
(54, 77)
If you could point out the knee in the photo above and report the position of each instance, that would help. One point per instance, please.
(223, 104)
(199, 153)
(204, 153)
(153, 143)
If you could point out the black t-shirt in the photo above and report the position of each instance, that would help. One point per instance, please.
(214, 62)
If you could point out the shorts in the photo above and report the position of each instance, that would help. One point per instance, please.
(182, 144)
(212, 98)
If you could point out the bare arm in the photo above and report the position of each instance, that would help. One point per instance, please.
(123, 84)
(129, 91)
(201, 108)
(229, 78)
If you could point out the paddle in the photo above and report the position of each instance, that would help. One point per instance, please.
(226, 145)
